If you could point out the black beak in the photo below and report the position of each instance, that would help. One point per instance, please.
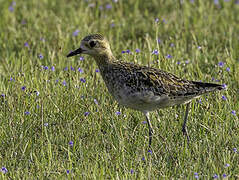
(75, 52)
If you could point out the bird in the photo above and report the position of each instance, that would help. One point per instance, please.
(141, 88)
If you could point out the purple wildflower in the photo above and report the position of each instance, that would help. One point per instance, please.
(224, 175)
(26, 44)
(101, 7)
(75, 33)
(233, 112)
(143, 158)
(172, 45)
(149, 151)
(40, 56)
(196, 175)
(80, 70)
(52, 68)
(11, 8)
(117, 113)
(112, 25)
(23, 88)
(234, 150)
(97, 70)
(227, 165)
(82, 80)
(144, 122)
(158, 40)
(64, 83)
(122, 52)
(67, 171)
(96, 102)
(42, 39)
(224, 86)
(45, 124)
(4, 170)
(108, 6)
(46, 68)
(221, 64)
(27, 112)
(215, 176)
(131, 171)
(71, 143)
(86, 113)
(3, 95)
(128, 51)
(216, 2)
(82, 58)
(156, 20)
(228, 69)
(178, 63)
(137, 50)
(37, 93)
(187, 61)
(73, 69)
(169, 56)
(155, 52)
(224, 98)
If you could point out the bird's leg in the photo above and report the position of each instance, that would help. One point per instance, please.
(150, 128)
(184, 128)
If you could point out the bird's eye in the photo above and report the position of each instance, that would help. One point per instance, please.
(92, 44)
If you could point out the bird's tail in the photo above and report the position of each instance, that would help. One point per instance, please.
(209, 87)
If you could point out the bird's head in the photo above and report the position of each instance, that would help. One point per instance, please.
(94, 45)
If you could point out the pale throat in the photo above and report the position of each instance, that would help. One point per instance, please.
(104, 58)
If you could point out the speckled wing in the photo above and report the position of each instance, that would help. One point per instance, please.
(159, 88)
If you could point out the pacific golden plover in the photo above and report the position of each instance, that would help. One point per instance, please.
(139, 87)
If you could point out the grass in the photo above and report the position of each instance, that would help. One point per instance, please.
(51, 125)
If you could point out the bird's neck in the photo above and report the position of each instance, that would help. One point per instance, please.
(104, 59)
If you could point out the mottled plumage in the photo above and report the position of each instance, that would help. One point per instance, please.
(146, 89)
(93, 36)
(139, 87)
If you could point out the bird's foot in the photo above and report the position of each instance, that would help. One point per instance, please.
(185, 133)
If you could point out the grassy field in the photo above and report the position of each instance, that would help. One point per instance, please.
(57, 120)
